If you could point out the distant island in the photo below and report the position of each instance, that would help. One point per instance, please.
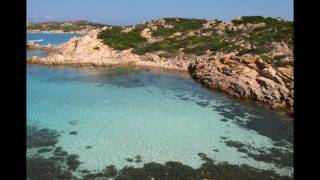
(250, 57)
(76, 26)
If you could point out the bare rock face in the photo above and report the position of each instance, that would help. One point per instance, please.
(247, 77)
(209, 24)
(177, 34)
(193, 33)
(162, 22)
(280, 49)
(146, 33)
(128, 29)
(269, 73)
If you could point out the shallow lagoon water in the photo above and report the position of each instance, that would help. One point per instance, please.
(53, 39)
(161, 115)
(122, 112)
(48, 38)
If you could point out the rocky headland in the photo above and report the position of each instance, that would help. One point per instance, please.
(247, 77)
(89, 50)
(248, 57)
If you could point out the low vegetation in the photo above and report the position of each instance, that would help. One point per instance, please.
(120, 41)
(195, 38)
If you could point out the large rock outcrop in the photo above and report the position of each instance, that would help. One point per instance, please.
(247, 77)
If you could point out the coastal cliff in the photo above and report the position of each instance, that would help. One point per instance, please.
(248, 57)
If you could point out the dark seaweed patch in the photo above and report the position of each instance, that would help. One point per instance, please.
(235, 144)
(110, 171)
(224, 171)
(204, 157)
(93, 176)
(176, 170)
(39, 168)
(281, 158)
(59, 154)
(58, 166)
(283, 144)
(41, 137)
(73, 162)
(84, 171)
(203, 104)
(73, 133)
(223, 137)
(156, 170)
(129, 160)
(138, 159)
(44, 150)
(129, 172)
(262, 120)
(242, 150)
(224, 120)
(170, 170)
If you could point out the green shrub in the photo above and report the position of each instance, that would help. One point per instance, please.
(266, 58)
(120, 41)
(179, 25)
(256, 51)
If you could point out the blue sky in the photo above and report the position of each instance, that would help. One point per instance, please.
(126, 12)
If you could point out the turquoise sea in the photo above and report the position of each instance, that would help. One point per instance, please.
(161, 115)
(53, 39)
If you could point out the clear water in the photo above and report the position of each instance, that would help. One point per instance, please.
(160, 115)
(53, 39)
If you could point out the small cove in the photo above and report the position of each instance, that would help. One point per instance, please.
(122, 112)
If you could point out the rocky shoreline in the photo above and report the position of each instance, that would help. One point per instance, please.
(246, 76)
(88, 50)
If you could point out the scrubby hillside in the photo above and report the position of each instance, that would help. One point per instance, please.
(255, 35)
